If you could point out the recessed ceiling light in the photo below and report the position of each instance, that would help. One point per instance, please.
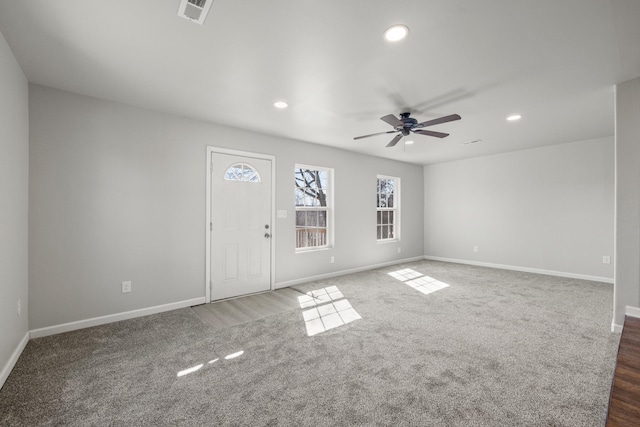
(409, 142)
(280, 104)
(396, 33)
(514, 117)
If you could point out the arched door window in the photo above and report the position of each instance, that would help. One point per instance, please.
(242, 172)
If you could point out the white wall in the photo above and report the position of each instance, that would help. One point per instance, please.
(14, 187)
(118, 193)
(550, 208)
(627, 287)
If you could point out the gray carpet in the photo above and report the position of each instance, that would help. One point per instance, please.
(494, 348)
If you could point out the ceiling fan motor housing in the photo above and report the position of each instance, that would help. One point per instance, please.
(408, 123)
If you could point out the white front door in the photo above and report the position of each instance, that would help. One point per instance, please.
(241, 225)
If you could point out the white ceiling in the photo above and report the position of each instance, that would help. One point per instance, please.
(553, 61)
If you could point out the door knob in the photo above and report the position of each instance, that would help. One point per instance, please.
(267, 235)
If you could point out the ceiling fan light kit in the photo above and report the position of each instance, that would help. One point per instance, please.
(405, 125)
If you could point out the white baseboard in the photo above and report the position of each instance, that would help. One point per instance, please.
(629, 311)
(615, 328)
(8, 367)
(632, 311)
(95, 321)
(524, 269)
(343, 272)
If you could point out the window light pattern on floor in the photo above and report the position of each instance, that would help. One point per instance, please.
(418, 281)
(210, 362)
(326, 309)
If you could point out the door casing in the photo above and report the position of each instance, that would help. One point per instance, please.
(208, 225)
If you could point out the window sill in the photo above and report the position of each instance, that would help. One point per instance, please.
(382, 242)
(305, 250)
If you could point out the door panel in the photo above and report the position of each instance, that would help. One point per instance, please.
(231, 262)
(254, 264)
(241, 225)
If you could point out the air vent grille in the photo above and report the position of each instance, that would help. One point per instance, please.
(194, 10)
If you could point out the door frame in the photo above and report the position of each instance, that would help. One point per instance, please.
(208, 224)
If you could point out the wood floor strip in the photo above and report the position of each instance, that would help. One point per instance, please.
(624, 402)
(236, 311)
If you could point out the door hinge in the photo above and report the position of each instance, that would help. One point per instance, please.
(210, 226)
(211, 168)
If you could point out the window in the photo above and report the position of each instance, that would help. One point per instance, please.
(313, 207)
(242, 172)
(388, 209)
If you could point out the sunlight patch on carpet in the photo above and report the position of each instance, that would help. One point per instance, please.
(234, 355)
(210, 362)
(190, 370)
(418, 281)
(320, 296)
(326, 309)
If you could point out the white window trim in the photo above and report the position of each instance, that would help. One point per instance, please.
(329, 209)
(397, 208)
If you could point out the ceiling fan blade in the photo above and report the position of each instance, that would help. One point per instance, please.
(444, 119)
(431, 133)
(392, 120)
(374, 134)
(395, 140)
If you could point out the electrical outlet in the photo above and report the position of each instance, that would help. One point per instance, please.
(19, 307)
(126, 287)
(475, 249)
(399, 250)
(606, 259)
(332, 260)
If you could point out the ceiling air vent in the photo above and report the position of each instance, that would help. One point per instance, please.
(194, 10)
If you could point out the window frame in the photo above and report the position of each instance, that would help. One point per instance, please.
(329, 237)
(396, 209)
